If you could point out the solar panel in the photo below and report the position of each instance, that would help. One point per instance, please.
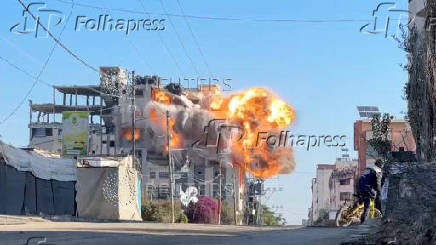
(368, 111)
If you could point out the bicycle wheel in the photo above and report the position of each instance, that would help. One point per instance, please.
(341, 217)
(377, 213)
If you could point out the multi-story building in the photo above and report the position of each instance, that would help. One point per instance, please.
(400, 135)
(110, 133)
(321, 192)
(334, 184)
(342, 184)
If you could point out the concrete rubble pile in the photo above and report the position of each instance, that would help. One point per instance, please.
(410, 210)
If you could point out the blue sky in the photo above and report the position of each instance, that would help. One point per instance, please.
(324, 70)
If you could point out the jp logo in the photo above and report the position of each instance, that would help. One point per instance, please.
(384, 11)
(219, 126)
(32, 24)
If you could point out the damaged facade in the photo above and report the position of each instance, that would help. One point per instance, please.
(334, 184)
(110, 131)
(400, 136)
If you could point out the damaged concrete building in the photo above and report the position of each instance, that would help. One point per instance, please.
(110, 133)
(334, 184)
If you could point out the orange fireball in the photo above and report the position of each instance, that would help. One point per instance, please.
(163, 97)
(258, 110)
(127, 133)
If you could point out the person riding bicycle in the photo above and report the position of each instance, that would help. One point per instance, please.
(370, 187)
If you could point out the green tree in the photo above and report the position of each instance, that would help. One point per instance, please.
(227, 214)
(270, 218)
(160, 211)
(380, 135)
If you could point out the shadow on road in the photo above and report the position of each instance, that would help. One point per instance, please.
(133, 236)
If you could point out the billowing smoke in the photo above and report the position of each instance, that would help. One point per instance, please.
(230, 123)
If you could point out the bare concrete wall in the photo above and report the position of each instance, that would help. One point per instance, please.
(410, 214)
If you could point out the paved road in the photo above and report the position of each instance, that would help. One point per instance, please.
(73, 233)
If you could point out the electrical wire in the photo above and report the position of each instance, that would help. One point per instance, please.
(179, 38)
(57, 40)
(195, 39)
(138, 56)
(220, 18)
(161, 40)
(22, 71)
(43, 66)
(50, 84)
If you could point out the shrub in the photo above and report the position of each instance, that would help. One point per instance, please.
(205, 211)
(227, 214)
(160, 211)
(150, 212)
(182, 218)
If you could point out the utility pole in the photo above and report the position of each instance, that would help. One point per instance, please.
(133, 121)
(170, 167)
(234, 197)
(220, 192)
(260, 211)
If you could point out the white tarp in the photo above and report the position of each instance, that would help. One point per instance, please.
(42, 167)
(99, 162)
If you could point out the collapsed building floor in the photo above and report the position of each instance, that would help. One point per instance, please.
(110, 132)
(210, 140)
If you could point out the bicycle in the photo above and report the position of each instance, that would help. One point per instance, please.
(350, 214)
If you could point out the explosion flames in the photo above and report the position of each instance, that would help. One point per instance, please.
(164, 98)
(253, 110)
(258, 110)
(127, 133)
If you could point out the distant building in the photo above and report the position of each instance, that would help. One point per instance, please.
(400, 135)
(342, 184)
(333, 185)
(321, 192)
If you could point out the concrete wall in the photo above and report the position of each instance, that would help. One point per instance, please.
(415, 9)
(410, 206)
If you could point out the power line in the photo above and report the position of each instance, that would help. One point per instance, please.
(21, 70)
(57, 40)
(141, 58)
(49, 84)
(195, 39)
(179, 38)
(160, 39)
(220, 18)
(42, 68)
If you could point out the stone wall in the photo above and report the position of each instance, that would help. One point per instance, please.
(410, 207)
(421, 87)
